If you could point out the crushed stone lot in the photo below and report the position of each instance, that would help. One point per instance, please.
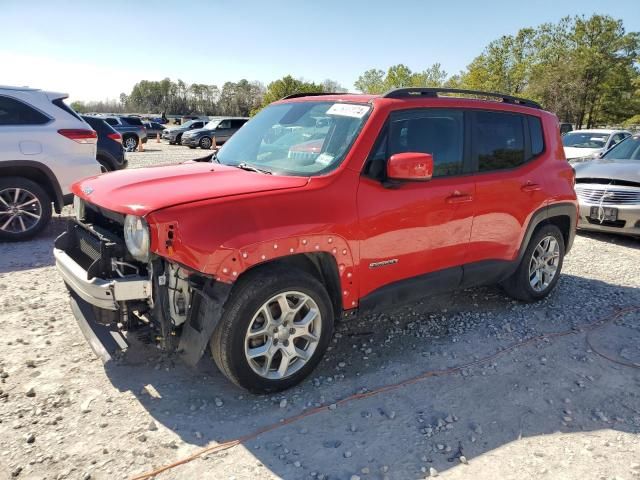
(554, 408)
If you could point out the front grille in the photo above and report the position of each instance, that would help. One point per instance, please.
(607, 195)
(88, 244)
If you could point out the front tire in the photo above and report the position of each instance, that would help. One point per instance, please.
(205, 143)
(179, 140)
(25, 209)
(540, 267)
(275, 328)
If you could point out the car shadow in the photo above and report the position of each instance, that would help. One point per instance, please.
(34, 253)
(612, 238)
(556, 385)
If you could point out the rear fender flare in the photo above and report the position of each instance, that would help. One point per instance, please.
(239, 260)
(542, 216)
(20, 168)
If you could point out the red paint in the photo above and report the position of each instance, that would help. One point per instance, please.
(410, 166)
(227, 220)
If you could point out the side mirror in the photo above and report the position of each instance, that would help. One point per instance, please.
(410, 166)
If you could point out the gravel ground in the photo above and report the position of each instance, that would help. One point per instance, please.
(551, 409)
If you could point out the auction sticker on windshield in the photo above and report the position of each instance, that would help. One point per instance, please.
(348, 110)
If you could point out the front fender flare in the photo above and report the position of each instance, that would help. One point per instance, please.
(239, 260)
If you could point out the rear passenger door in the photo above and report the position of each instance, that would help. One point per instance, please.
(510, 186)
(223, 131)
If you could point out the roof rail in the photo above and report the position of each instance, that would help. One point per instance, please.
(433, 92)
(309, 94)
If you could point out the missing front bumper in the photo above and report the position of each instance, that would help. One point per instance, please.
(105, 342)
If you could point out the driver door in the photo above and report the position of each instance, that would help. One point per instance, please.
(415, 234)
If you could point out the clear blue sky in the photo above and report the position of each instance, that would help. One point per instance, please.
(97, 49)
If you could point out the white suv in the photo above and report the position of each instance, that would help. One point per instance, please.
(44, 148)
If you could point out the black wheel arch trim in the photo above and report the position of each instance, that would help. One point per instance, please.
(543, 215)
(16, 165)
(467, 275)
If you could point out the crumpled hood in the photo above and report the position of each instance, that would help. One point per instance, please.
(628, 170)
(142, 190)
(573, 152)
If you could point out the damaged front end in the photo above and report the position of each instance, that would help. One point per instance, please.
(115, 290)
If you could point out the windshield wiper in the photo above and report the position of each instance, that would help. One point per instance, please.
(251, 168)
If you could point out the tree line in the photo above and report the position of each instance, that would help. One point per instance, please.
(583, 69)
(241, 98)
(586, 70)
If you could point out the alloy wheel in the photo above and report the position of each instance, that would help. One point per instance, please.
(283, 335)
(20, 210)
(205, 143)
(130, 143)
(543, 266)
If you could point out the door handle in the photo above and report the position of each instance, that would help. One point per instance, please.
(531, 187)
(458, 197)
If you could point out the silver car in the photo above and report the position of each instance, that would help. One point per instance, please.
(608, 190)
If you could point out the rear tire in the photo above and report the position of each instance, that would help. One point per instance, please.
(130, 142)
(105, 165)
(18, 215)
(540, 267)
(179, 139)
(286, 312)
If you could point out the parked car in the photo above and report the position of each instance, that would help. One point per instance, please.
(153, 129)
(565, 128)
(583, 145)
(608, 190)
(44, 148)
(370, 202)
(174, 134)
(131, 129)
(222, 128)
(110, 153)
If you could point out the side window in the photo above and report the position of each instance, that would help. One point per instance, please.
(111, 121)
(536, 135)
(14, 112)
(617, 138)
(498, 140)
(237, 123)
(224, 124)
(439, 132)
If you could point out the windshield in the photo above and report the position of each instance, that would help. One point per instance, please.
(585, 140)
(302, 138)
(212, 124)
(628, 149)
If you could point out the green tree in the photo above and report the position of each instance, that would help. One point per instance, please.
(287, 86)
(371, 81)
(398, 76)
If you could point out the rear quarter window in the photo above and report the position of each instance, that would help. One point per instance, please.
(537, 137)
(15, 112)
(59, 102)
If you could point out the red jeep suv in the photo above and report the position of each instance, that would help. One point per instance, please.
(321, 206)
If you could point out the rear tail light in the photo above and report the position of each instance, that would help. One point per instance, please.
(80, 136)
(115, 136)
